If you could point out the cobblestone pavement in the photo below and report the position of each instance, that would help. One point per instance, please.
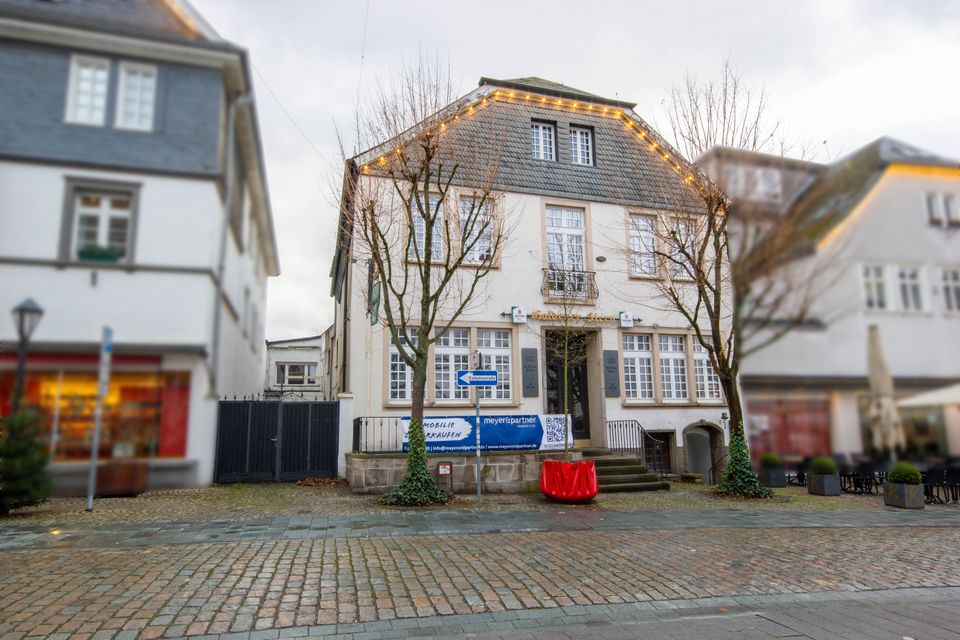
(549, 518)
(300, 586)
(258, 501)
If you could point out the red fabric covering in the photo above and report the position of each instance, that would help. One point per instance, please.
(569, 481)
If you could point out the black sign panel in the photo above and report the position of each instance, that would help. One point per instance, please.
(611, 374)
(528, 372)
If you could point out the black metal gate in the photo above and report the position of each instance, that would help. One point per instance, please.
(261, 440)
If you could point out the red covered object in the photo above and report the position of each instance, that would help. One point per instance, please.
(569, 481)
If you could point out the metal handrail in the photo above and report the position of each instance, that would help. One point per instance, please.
(719, 465)
(569, 283)
(630, 436)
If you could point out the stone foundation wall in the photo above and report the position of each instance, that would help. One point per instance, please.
(501, 472)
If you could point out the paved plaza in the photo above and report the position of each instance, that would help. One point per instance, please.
(523, 570)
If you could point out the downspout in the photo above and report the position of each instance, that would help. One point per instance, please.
(229, 177)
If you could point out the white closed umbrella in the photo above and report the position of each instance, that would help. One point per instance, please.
(885, 424)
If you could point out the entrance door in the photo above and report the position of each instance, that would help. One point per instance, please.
(577, 391)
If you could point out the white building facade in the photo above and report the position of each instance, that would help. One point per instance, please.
(577, 188)
(114, 205)
(295, 368)
(888, 218)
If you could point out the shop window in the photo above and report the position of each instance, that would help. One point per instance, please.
(144, 414)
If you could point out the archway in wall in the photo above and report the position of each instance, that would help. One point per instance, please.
(703, 449)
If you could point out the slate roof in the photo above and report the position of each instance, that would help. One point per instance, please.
(829, 199)
(152, 19)
(551, 88)
(625, 170)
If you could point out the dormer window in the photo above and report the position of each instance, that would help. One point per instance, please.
(581, 145)
(135, 96)
(87, 90)
(543, 140)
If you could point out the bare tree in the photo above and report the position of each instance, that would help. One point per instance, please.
(773, 286)
(421, 207)
(738, 273)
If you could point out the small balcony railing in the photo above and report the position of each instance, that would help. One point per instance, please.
(565, 283)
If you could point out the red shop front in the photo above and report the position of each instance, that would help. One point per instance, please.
(145, 411)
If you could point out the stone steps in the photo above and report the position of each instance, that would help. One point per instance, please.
(622, 473)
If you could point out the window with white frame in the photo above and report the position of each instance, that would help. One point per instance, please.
(418, 243)
(566, 254)
(706, 378)
(874, 287)
(637, 367)
(581, 145)
(451, 352)
(401, 375)
(909, 288)
(769, 185)
(951, 290)
(102, 226)
(297, 374)
(496, 353)
(950, 209)
(643, 245)
(543, 141)
(673, 368)
(934, 216)
(87, 90)
(476, 230)
(682, 241)
(136, 95)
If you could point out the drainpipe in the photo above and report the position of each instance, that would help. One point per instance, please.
(229, 177)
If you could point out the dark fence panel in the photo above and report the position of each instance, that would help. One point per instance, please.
(255, 443)
(377, 434)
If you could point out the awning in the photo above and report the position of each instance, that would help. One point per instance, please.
(937, 398)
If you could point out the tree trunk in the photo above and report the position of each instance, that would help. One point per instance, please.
(732, 392)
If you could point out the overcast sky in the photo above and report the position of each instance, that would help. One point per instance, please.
(841, 72)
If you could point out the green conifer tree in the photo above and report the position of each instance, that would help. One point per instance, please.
(739, 480)
(24, 480)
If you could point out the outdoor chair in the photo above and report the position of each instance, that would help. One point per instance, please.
(951, 484)
(933, 484)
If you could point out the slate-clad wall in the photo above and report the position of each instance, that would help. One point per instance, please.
(33, 92)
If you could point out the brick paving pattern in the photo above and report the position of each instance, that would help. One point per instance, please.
(215, 588)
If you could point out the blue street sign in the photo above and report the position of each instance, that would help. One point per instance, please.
(476, 378)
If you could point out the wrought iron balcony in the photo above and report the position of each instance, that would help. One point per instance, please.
(565, 283)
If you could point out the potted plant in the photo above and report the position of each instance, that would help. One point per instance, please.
(823, 479)
(771, 470)
(96, 253)
(903, 487)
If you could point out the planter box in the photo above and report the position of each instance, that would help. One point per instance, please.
(820, 485)
(773, 477)
(905, 496)
(121, 478)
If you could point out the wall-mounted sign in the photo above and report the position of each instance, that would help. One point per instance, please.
(561, 316)
(518, 315)
(626, 319)
(444, 468)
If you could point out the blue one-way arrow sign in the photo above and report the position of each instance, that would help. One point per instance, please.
(476, 378)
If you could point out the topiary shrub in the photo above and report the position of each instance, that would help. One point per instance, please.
(823, 466)
(418, 487)
(739, 480)
(24, 481)
(770, 461)
(904, 473)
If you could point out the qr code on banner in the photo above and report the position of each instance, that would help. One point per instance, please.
(555, 427)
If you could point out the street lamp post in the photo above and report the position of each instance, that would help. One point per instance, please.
(26, 317)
